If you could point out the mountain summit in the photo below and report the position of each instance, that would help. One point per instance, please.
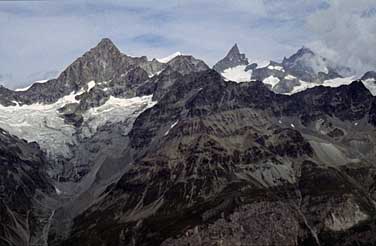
(309, 66)
(232, 59)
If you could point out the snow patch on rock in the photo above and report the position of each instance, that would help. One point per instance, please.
(28, 87)
(237, 74)
(172, 126)
(90, 85)
(279, 68)
(169, 58)
(271, 80)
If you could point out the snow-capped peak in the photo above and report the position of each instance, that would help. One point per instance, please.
(169, 58)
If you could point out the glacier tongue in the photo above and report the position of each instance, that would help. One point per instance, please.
(114, 110)
(42, 122)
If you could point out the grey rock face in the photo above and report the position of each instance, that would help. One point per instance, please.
(153, 67)
(232, 59)
(187, 64)
(265, 72)
(252, 66)
(23, 187)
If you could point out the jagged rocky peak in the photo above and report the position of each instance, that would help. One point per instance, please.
(106, 43)
(232, 59)
(101, 63)
(300, 53)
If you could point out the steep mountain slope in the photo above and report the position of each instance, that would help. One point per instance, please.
(220, 162)
(24, 189)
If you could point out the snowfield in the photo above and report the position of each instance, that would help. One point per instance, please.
(237, 74)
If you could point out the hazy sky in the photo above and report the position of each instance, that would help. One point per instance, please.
(42, 36)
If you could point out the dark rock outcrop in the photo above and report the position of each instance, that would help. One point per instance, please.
(24, 185)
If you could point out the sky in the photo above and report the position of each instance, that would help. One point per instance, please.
(41, 38)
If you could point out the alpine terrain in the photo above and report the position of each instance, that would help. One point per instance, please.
(128, 151)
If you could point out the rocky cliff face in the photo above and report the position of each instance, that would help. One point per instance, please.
(24, 186)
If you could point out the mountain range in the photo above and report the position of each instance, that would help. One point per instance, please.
(121, 150)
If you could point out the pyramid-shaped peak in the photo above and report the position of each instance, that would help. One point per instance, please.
(234, 49)
(106, 44)
(297, 55)
(232, 59)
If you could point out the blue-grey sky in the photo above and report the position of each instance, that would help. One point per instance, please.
(43, 36)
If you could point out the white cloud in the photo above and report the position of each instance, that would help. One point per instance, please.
(346, 32)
